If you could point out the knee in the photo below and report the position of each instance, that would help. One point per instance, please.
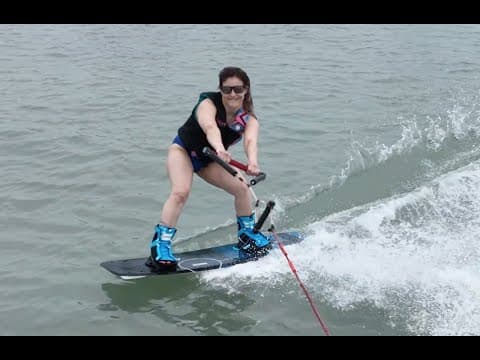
(180, 196)
(242, 190)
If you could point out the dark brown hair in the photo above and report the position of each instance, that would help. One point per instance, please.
(232, 71)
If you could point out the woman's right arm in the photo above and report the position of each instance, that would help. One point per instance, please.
(206, 112)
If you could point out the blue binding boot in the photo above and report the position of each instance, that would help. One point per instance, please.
(249, 241)
(161, 256)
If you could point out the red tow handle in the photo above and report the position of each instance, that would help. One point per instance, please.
(238, 165)
(244, 167)
(212, 155)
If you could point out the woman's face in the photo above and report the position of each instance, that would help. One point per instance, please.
(233, 92)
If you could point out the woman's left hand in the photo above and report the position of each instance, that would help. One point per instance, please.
(253, 169)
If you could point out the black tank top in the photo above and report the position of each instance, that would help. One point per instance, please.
(195, 139)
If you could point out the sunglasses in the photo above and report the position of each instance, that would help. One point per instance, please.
(228, 89)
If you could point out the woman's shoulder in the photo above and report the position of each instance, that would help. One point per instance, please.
(207, 100)
(213, 98)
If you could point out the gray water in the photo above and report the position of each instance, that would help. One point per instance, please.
(369, 138)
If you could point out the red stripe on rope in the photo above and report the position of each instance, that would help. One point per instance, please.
(309, 298)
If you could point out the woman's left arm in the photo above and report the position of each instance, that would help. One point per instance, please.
(250, 145)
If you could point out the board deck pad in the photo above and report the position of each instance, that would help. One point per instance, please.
(194, 261)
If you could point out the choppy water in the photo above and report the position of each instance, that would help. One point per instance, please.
(370, 142)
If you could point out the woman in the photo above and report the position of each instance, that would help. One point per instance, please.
(218, 120)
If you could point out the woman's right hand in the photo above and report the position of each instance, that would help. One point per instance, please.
(224, 155)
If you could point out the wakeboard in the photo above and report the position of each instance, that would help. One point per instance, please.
(211, 258)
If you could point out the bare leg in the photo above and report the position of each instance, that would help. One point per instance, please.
(217, 176)
(180, 173)
(253, 243)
